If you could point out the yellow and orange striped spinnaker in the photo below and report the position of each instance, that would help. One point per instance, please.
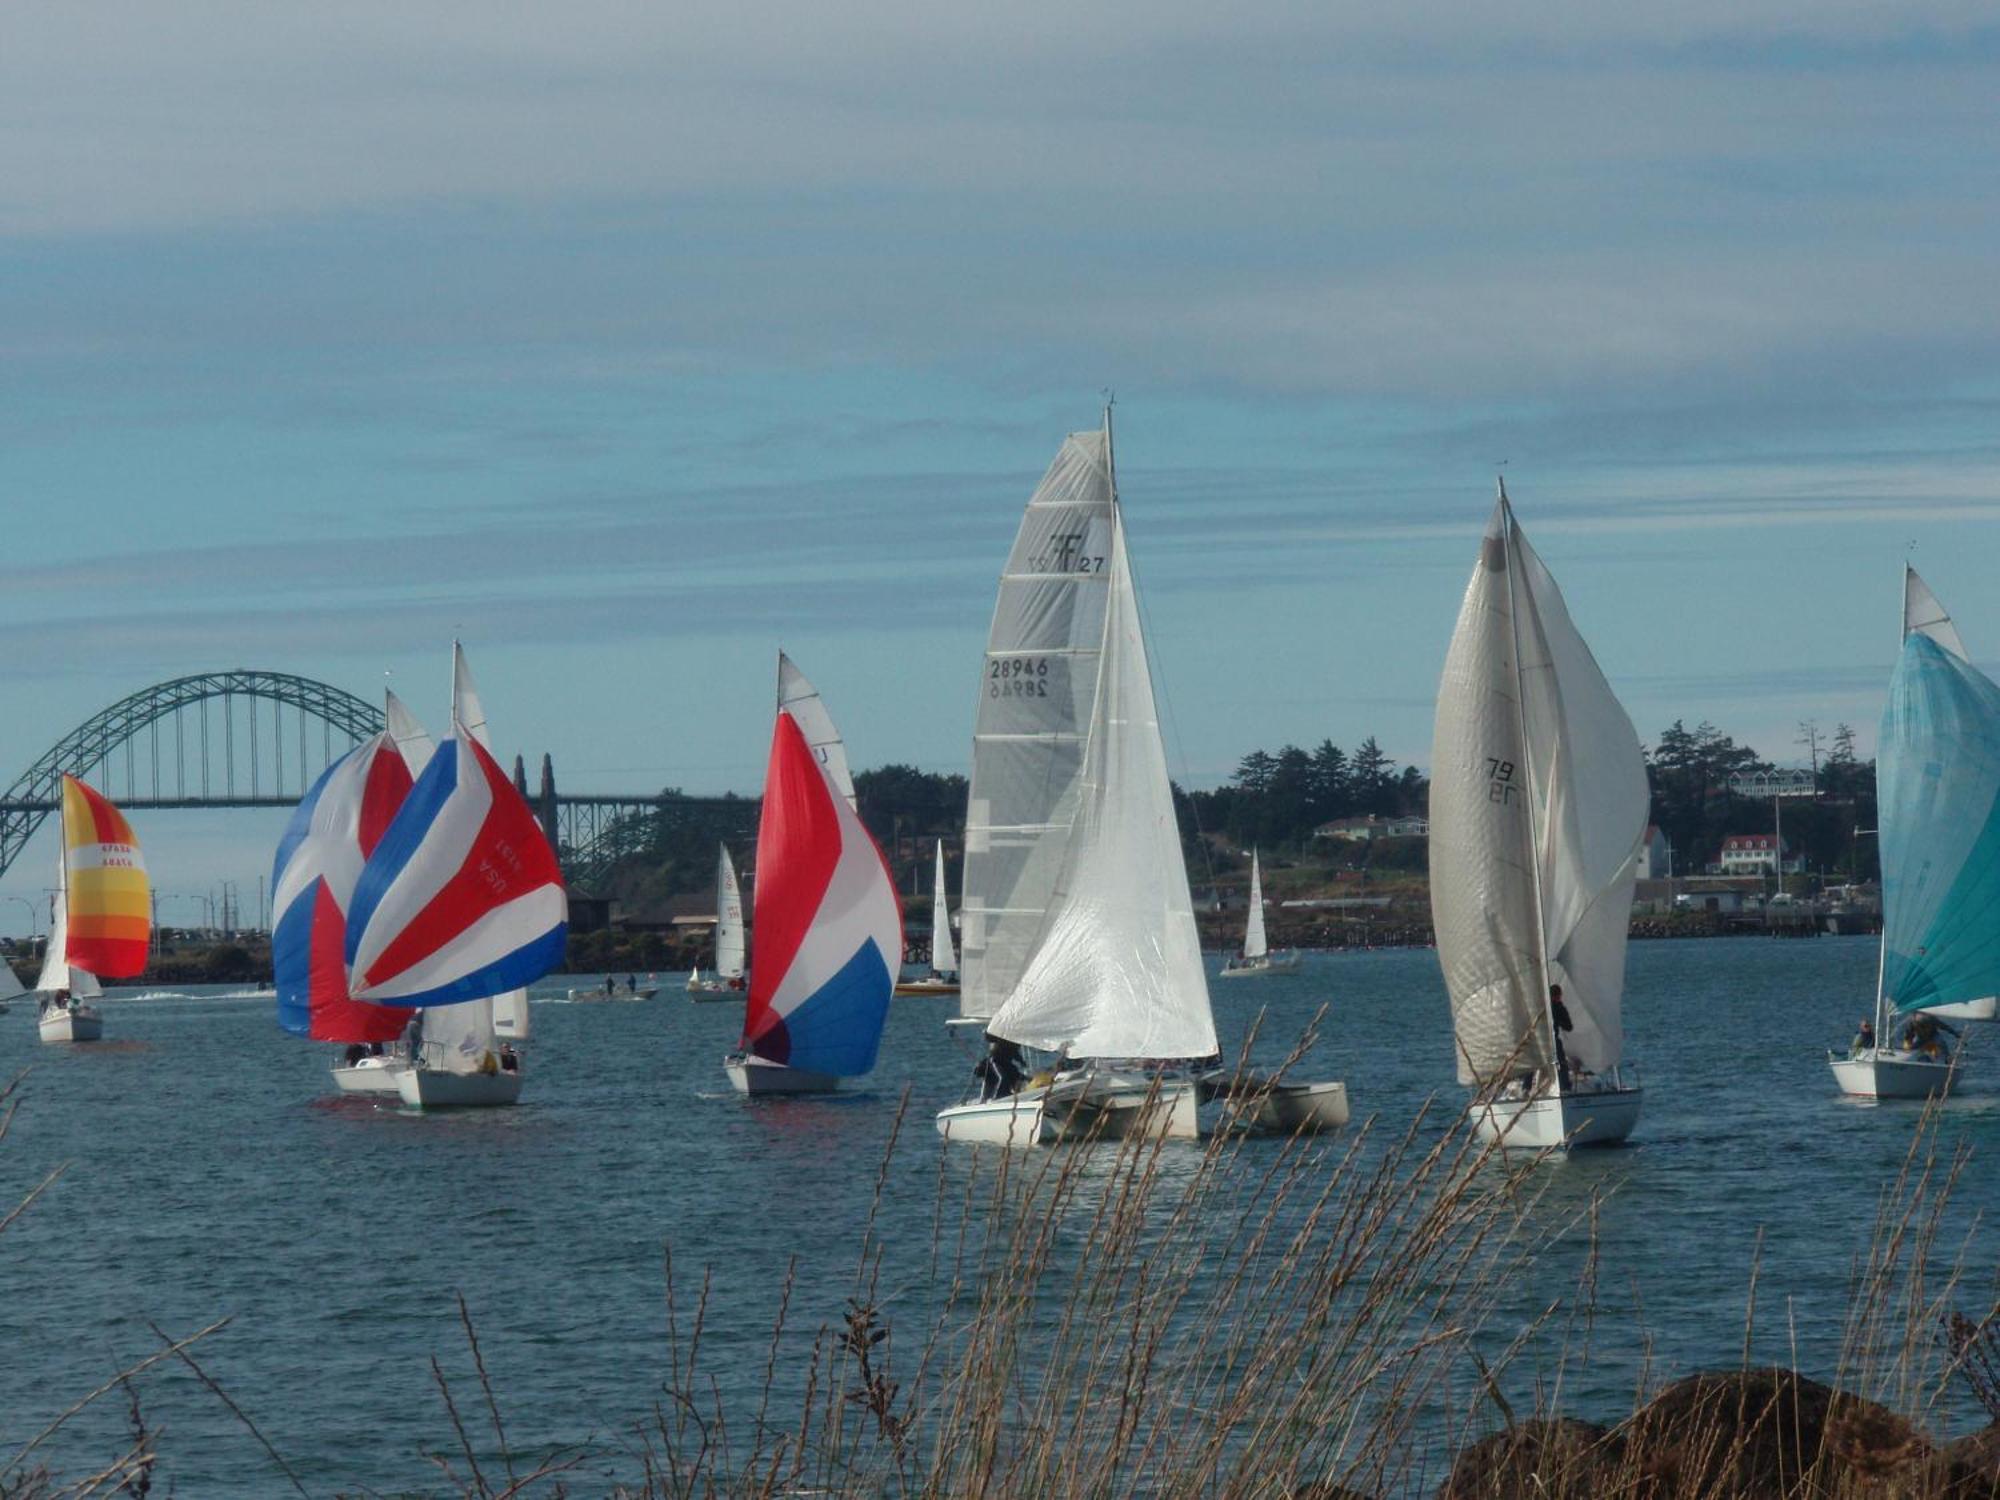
(110, 904)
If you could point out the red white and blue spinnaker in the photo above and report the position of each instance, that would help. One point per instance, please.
(462, 899)
(336, 827)
(827, 925)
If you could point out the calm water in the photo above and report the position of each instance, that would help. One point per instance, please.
(212, 1173)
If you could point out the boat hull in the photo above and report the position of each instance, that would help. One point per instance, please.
(372, 1075)
(1013, 1121)
(1884, 1073)
(63, 1025)
(1302, 1108)
(1983, 1009)
(1287, 962)
(927, 987)
(1547, 1122)
(426, 1088)
(753, 1075)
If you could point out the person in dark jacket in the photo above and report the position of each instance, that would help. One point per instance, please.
(1001, 1070)
(1559, 1014)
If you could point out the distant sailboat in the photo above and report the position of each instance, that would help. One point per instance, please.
(1938, 796)
(336, 827)
(461, 902)
(1078, 931)
(1257, 957)
(943, 976)
(100, 918)
(1538, 807)
(727, 984)
(829, 928)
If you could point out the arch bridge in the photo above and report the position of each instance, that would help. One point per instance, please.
(259, 739)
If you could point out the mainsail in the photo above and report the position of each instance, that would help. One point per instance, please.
(943, 959)
(728, 918)
(1038, 688)
(1116, 970)
(101, 925)
(336, 826)
(468, 1030)
(1538, 807)
(1255, 945)
(829, 929)
(1938, 786)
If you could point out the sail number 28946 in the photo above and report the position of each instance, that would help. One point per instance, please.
(1018, 677)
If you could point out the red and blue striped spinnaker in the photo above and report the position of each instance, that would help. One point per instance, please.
(827, 926)
(320, 857)
(463, 898)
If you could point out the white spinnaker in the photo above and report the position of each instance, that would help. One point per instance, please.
(412, 741)
(1538, 805)
(943, 959)
(1924, 615)
(801, 699)
(728, 918)
(466, 711)
(1117, 971)
(1038, 687)
(1255, 944)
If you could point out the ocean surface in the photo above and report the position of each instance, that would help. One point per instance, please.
(211, 1172)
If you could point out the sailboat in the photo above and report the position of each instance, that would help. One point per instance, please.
(943, 976)
(728, 982)
(1257, 957)
(1538, 806)
(829, 927)
(1937, 778)
(338, 824)
(11, 987)
(460, 906)
(1077, 927)
(100, 918)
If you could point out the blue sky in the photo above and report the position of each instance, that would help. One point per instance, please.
(634, 342)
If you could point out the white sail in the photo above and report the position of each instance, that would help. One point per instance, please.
(1255, 945)
(728, 918)
(1923, 615)
(1538, 806)
(510, 1016)
(943, 959)
(1037, 691)
(56, 972)
(467, 1031)
(1117, 971)
(10, 982)
(801, 699)
(412, 741)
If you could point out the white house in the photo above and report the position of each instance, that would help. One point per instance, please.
(1755, 854)
(1363, 830)
(1653, 854)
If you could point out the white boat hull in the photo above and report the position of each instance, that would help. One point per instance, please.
(1287, 962)
(1982, 1009)
(371, 1075)
(1885, 1073)
(427, 1088)
(927, 987)
(1547, 1122)
(1088, 1106)
(1013, 1121)
(60, 1024)
(753, 1075)
(1293, 1108)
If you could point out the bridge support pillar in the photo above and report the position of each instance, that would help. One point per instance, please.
(546, 808)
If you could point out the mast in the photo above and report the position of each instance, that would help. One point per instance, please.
(1882, 948)
(1534, 790)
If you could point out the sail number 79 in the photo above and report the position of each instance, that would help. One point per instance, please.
(1500, 782)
